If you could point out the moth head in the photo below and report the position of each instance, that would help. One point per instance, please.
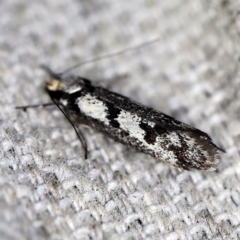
(61, 85)
(53, 85)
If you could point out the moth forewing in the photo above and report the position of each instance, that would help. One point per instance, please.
(133, 124)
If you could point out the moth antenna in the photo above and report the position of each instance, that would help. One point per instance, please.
(24, 108)
(145, 44)
(51, 73)
(77, 130)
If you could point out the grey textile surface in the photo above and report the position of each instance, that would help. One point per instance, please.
(47, 189)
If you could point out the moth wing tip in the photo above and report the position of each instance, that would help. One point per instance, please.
(221, 149)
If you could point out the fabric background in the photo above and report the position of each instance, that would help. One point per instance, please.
(47, 189)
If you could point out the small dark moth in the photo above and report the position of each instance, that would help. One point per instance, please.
(131, 123)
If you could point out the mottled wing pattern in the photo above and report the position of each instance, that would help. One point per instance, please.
(144, 128)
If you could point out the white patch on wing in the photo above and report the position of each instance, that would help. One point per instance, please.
(192, 151)
(93, 108)
(74, 89)
(131, 123)
(64, 102)
(151, 124)
(174, 139)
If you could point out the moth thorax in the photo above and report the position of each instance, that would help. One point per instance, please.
(74, 88)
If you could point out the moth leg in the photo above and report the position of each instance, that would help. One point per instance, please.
(79, 133)
(77, 130)
(24, 108)
(82, 139)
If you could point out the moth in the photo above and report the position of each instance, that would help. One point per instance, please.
(131, 123)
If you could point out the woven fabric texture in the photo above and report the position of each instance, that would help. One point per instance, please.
(48, 190)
